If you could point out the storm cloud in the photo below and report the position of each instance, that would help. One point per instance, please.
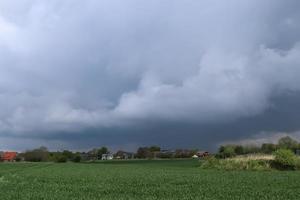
(136, 72)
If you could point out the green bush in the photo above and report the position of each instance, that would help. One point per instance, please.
(254, 165)
(227, 151)
(37, 155)
(77, 159)
(61, 159)
(18, 159)
(258, 165)
(210, 163)
(285, 159)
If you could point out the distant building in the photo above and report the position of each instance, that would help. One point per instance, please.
(9, 156)
(195, 156)
(202, 154)
(107, 156)
(124, 155)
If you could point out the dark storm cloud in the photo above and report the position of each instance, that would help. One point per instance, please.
(131, 72)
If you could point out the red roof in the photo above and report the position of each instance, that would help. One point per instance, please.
(9, 156)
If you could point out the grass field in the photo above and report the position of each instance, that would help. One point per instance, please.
(177, 179)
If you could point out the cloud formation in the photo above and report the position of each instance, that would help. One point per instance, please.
(74, 65)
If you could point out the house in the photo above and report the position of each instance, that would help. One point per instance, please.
(195, 156)
(124, 155)
(9, 156)
(202, 154)
(107, 156)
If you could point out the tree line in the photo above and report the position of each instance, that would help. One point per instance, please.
(156, 152)
(42, 154)
(232, 150)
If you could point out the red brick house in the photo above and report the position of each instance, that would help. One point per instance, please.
(202, 154)
(9, 156)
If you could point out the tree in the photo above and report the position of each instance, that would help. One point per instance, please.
(221, 149)
(239, 150)
(68, 154)
(286, 159)
(60, 158)
(226, 151)
(185, 153)
(229, 151)
(287, 143)
(249, 149)
(166, 154)
(93, 154)
(77, 158)
(37, 155)
(101, 151)
(154, 149)
(143, 152)
(268, 148)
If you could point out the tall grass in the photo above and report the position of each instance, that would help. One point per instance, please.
(281, 160)
(237, 164)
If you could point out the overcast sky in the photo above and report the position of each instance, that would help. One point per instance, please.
(125, 73)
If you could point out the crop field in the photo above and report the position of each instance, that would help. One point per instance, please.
(168, 179)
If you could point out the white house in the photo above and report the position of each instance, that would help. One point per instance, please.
(107, 156)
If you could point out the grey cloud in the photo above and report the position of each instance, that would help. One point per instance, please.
(73, 65)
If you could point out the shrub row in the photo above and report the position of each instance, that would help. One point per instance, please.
(231, 164)
(284, 160)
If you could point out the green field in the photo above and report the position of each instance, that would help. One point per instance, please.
(177, 179)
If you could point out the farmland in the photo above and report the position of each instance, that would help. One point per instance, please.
(141, 179)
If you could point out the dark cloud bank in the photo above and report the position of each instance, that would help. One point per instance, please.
(78, 74)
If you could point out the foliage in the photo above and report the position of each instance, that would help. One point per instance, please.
(288, 143)
(236, 164)
(210, 163)
(165, 155)
(185, 153)
(93, 154)
(154, 148)
(141, 179)
(69, 155)
(61, 158)
(251, 149)
(76, 158)
(239, 150)
(96, 154)
(226, 151)
(286, 159)
(37, 155)
(20, 157)
(101, 151)
(268, 148)
(144, 152)
(229, 151)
